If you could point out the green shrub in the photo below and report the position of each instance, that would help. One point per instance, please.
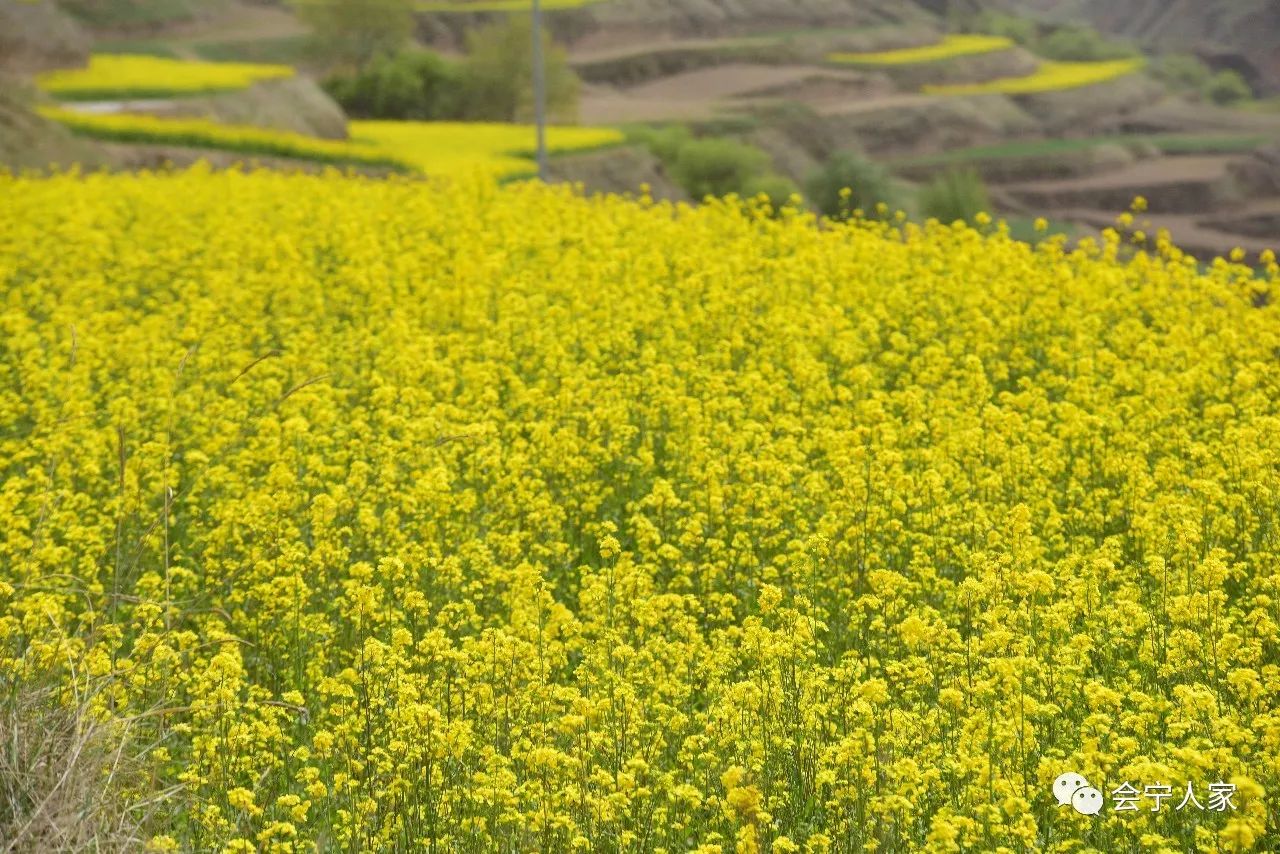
(1182, 72)
(867, 182)
(958, 194)
(717, 167)
(1081, 44)
(497, 77)
(778, 188)
(414, 84)
(1227, 87)
(664, 141)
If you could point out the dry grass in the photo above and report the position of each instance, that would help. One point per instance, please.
(68, 781)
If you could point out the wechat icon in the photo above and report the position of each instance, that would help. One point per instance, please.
(1072, 788)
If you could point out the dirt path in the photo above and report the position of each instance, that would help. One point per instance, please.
(588, 53)
(1153, 172)
(735, 80)
(890, 101)
(601, 105)
(1182, 184)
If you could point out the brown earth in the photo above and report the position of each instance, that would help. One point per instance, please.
(37, 36)
(28, 141)
(1257, 219)
(1187, 184)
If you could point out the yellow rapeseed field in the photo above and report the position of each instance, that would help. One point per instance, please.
(950, 47)
(205, 133)
(110, 76)
(451, 148)
(1049, 77)
(417, 516)
(437, 148)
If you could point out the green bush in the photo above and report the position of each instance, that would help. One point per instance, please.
(778, 188)
(867, 182)
(1227, 87)
(717, 167)
(958, 194)
(411, 85)
(497, 77)
(1182, 72)
(664, 142)
(1081, 44)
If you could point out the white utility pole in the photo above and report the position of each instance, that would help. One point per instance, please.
(539, 90)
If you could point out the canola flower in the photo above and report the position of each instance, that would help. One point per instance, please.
(952, 46)
(501, 150)
(204, 133)
(111, 76)
(418, 515)
(439, 148)
(1049, 77)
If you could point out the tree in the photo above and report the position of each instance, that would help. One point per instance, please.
(869, 185)
(415, 84)
(956, 194)
(497, 74)
(1227, 87)
(353, 32)
(717, 167)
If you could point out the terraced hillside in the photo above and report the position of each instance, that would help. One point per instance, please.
(1238, 33)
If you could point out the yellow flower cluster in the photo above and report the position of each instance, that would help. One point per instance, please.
(110, 76)
(952, 46)
(441, 148)
(1049, 77)
(415, 515)
(451, 148)
(203, 133)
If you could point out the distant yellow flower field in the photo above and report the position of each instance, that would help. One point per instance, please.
(952, 46)
(435, 148)
(503, 150)
(1050, 77)
(111, 76)
(202, 133)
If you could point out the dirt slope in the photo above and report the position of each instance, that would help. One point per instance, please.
(29, 142)
(35, 36)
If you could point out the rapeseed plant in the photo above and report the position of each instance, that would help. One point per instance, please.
(951, 46)
(417, 515)
(1049, 77)
(138, 76)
